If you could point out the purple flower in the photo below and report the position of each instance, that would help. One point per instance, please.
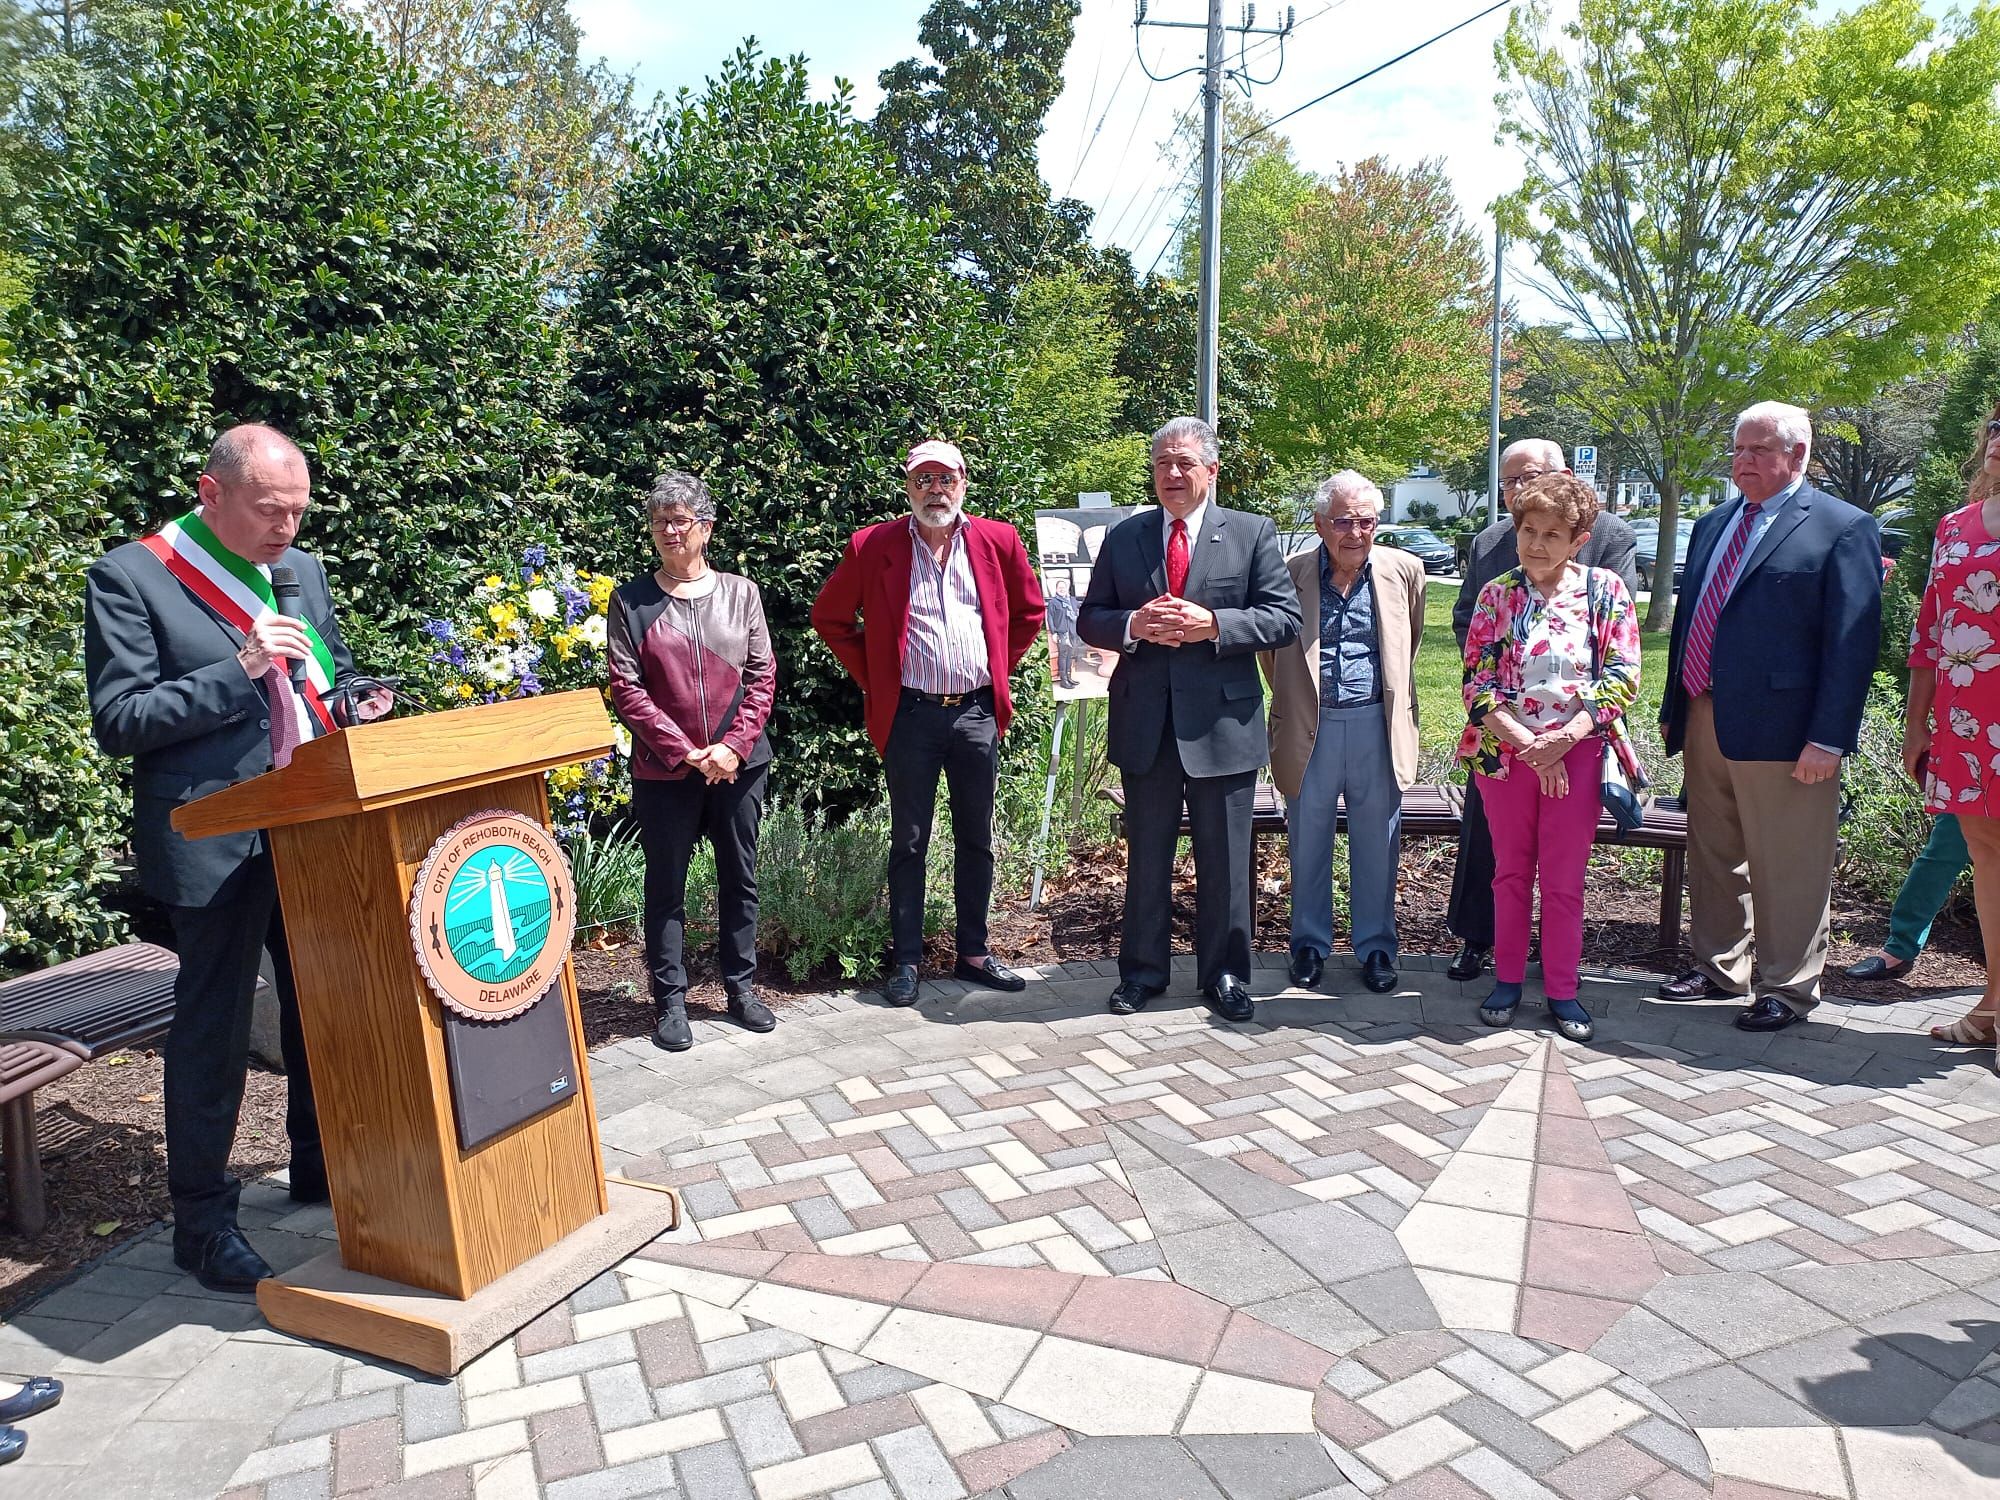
(535, 555)
(598, 769)
(530, 684)
(455, 654)
(438, 630)
(576, 604)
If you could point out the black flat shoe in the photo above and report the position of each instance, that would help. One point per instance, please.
(1307, 966)
(223, 1261)
(1693, 984)
(672, 1032)
(39, 1394)
(1229, 998)
(990, 972)
(900, 988)
(1768, 1014)
(1470, 962)
(1875, 966)
(1378, 973)
(13, 1443)
(1128, 999)
(752, 1014)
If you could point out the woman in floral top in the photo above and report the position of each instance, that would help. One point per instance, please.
(1551, 663)
(1951, 731)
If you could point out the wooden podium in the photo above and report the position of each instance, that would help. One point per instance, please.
(444, 1249)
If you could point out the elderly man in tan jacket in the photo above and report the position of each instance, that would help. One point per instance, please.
(1343, 725)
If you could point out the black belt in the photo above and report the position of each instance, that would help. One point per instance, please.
(950, 700)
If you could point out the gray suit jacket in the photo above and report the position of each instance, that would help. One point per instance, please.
(167, 690)
(1612, 545)
(1210, 691)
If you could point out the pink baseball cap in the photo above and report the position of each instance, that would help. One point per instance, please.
(935, 451)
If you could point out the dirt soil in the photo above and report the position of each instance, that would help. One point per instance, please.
(101, 1126)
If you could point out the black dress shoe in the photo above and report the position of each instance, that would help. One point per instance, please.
(1378, 973)
(223, 1261)
(1768, 1013)
(671, 1031)
(308, 1186)
(13, 1443)
(1875, 966)
(1131, 997)
(1307, 966)
(990, 972)
(1693, 984)
(39, 1394)
(752, 1014)
(901, 988)
(1229, 998)
(1470, 961)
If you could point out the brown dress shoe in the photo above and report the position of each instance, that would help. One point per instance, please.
(1693, 984)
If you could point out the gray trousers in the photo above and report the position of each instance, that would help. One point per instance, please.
(1350, 759)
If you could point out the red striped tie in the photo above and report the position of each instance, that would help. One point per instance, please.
(1177, 557)
(1701, 634)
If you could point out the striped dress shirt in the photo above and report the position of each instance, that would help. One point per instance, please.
(945, 648)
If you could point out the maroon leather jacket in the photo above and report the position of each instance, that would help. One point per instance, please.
(686, 673)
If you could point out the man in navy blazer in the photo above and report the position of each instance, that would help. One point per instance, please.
(1774, 642)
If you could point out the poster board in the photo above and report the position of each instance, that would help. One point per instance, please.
(1067, 543)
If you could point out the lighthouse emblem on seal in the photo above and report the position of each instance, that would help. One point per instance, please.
(492, 912)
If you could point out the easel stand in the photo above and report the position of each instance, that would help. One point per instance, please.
(1078, 711)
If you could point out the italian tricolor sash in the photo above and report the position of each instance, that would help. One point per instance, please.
(240, 592)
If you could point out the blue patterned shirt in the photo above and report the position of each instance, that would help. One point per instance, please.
(1350, 656)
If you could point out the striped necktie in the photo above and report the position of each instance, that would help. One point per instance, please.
(1701, 634)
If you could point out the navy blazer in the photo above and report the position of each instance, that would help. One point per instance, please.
(1796, 643)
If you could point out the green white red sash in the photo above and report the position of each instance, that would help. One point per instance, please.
(240, 592)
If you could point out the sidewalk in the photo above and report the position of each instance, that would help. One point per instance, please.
(1012, 1245)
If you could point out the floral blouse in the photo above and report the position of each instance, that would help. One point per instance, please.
(1958, 637)
(1533, 655)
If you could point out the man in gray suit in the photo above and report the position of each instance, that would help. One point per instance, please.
(1189, 594)
(1612, 545)
(188, 661)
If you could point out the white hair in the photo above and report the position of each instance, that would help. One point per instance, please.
(1190, 427)
(1547, 449)
(1348, 484)
(1793, 424)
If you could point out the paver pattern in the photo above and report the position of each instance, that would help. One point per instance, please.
(1012, 1246)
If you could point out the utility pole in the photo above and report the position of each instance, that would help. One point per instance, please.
(1493, 427)
(1215, 73)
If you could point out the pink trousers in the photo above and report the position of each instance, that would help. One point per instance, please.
(1546, 838)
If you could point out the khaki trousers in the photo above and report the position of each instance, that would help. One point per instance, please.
(1760, 863)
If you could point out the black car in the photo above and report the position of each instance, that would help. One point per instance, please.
(1648, 534)
(1426, 546)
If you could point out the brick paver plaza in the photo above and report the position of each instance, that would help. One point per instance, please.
(1010, 1245)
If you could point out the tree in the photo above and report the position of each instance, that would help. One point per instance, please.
(1734, 200)
(1868, 455)
(268, 224)
(1066, 392)
(765, 313)
(561, 130)
(964, 132)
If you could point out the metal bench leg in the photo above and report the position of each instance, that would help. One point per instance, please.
(1673, 875)
(27, 1204)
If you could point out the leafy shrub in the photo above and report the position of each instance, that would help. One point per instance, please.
(609, 871)
(1886, 825)
(822, 890)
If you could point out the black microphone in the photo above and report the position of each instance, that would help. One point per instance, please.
(285, 589)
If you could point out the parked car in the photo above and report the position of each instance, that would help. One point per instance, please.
(1895, 524)
(1426, 546)
(1648, 533)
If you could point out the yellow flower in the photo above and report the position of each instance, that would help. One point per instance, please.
(502, 615)
(465, 690)
(601, 589)
(492, 580)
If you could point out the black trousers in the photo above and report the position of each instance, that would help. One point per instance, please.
(672, 816)
(1219, 819)
(1066, 645)
(208, 1048)
(963, 742)
(1470, 914)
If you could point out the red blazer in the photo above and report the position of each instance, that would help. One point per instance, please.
(863, 612)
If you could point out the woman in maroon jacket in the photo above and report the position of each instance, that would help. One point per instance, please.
(693, 679)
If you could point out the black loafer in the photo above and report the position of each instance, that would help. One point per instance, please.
(1130, 998)
(1229, 998)
(752, 1014)
(1470, 962)
(990, 972)
(901, 987)
(1693, 984)
(1307, 966)
(1875, 966)
(1769, 1013)
(223, 1261)
(672, 1032)
(13, 1443)
(39, 1394)
(1378, 973)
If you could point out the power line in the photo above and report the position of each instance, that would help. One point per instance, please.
(1132, 135)
(1088, 145)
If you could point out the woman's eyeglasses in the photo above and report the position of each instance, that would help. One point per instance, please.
(675, 525)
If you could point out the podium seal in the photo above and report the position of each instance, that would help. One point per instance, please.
(492, 912)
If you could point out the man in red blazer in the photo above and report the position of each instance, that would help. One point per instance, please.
(930, 612)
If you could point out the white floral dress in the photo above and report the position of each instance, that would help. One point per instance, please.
(1958, 637)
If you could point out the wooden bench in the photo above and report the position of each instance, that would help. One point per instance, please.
(54, 1021)
(1434, 810)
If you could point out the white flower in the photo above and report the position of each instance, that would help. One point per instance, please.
(591, 631)
(1964, 650)
(621, 738)
(497, 668)
(1980, 591)
(1992, 730)
(1964, 726)
(1949, 553)
(542, 603)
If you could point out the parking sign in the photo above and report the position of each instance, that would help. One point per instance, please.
(1586, 463)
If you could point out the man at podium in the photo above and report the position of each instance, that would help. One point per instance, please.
(199, 675)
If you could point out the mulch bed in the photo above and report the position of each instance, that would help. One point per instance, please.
(106, 1165)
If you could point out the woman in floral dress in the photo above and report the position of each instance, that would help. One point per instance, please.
(1551, 664)
(1951, 733)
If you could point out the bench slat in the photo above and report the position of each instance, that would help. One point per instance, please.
(94, 1004)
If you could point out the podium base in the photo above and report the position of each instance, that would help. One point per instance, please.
(440, 1335)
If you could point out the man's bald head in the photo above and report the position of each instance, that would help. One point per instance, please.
(254, 491)
(247, 445)
(1527, 459)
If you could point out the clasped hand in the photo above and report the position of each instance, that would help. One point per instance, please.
(1172, 621)
(716, 762)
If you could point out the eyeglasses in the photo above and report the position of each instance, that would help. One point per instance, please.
(939, 482)
(675, 525)
(1350, 523)
(1993, 428)
(1760, 450)
(1515, 481)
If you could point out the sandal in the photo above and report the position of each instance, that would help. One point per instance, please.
(1967, 1030)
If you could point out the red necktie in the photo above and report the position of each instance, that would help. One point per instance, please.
(1177, 556)
(284, 713)
(1701, 634)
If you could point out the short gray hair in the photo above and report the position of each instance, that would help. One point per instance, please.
(230, 458)
(1189, 427)
(676, 489)
(1348, 484)
(1549, 449)
(1793, 424)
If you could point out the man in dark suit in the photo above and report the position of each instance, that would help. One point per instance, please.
(188, 659)
(930, 612)
(1189, 594)
(1612, 545)
(1774, 642)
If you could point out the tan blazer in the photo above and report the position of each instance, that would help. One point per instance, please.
(1294, 670)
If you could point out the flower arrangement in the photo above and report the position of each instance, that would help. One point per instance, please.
(539, 628)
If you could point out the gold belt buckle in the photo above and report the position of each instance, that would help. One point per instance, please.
(951, 700)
